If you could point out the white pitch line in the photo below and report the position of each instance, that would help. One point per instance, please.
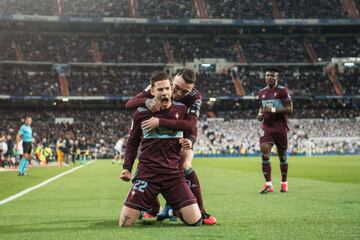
(22, 193)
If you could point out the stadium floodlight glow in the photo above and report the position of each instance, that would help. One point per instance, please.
(212, 99)
(349, 64)
(206, 65)
(65, 99)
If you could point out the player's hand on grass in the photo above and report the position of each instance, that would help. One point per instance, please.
(185, 143)
(125, 175)
(153, 105)
(150, 124)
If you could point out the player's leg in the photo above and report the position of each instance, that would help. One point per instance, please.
(128, 216)
(195, 187)
(190, 215)
(266, 143)
(281, 144)
(140, 198)
(178, 194)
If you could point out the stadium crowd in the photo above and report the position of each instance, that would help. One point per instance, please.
(229, 135)
(307, 136)
(267, 50)
(235, 9)
(244, 9)
(303, 81)
(70, 47)
(165, 9)
(327, 48)
(28, 83)
(311, 9)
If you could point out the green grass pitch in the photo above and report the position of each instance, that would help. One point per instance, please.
(323, 202)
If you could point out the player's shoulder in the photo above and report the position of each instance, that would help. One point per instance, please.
(195, 94)
(263, 90)
(176, 103)
(179, 105)
(280, 87)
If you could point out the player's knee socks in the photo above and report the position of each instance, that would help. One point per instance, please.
(283, 167)
(266, 168)
(194, 184)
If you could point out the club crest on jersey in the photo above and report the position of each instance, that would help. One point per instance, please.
(275, 94)
(263, 96)
(176, 116)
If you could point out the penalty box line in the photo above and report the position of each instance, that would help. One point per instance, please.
(26, 191)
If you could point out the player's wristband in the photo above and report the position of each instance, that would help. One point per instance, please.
(273, 110)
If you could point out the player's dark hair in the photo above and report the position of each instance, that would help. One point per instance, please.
(158, 76)
(272, 70)
(188, 75)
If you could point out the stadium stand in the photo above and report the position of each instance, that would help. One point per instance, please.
(112, 61)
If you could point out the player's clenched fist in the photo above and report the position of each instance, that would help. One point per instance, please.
(153, 105)
(125, 175)
(185, 143)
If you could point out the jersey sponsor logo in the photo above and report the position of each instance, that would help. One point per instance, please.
(162, 132)
(276, 103)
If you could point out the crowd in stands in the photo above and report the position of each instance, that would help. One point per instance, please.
(244, 9)
(166, 9)
(7, 46)
(70, 47)
(131, 50)
(235, 9)
(328, 48)
(311, 9)
(102, 129)
(264, 50)
(304, 82)
(56, 48)
(98, 8)
(307, 136)
(186, 49)
(350, 80)
(27, 83)
(108, 82)
(28, 7)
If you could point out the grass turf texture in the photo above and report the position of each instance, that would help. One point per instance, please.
(323, 202)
